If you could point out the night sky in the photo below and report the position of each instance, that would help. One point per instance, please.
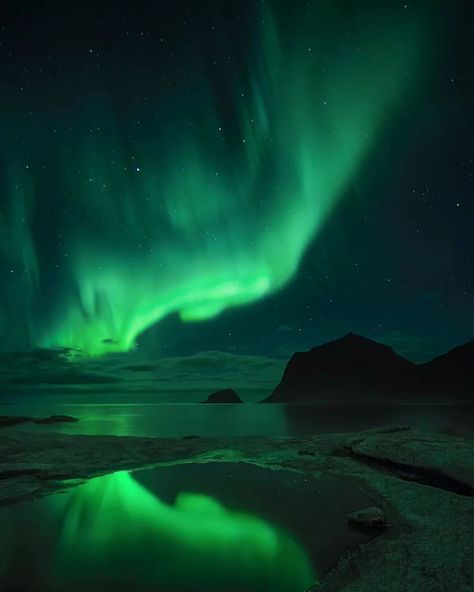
(247, 177)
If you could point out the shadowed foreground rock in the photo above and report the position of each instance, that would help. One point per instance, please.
(424, 483)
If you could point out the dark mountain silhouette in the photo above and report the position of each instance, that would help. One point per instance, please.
(452, 372)
(223, 396)
(354, 368)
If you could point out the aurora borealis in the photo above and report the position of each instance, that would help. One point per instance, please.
(207, 204)
(165, 166)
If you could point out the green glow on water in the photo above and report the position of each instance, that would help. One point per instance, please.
(116, 531)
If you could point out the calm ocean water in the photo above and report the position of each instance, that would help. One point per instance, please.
(139, 415)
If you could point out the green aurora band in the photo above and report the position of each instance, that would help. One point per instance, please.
(195, 218)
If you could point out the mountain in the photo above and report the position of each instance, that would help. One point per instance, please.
(344, 368)
(223, 396)
(451, 373)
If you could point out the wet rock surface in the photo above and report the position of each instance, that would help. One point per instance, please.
(428, 543)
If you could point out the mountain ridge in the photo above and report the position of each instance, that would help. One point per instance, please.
(356, 367)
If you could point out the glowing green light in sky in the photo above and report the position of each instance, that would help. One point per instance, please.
(114, 530)
(210, 210)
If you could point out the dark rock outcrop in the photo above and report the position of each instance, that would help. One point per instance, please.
(57, 419)
(12, 420)
(369, 518)
(357, 369)
(223, 396)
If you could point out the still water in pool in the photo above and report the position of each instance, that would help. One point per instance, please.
(186, 528)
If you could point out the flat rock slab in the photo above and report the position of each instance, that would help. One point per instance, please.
(424, 484)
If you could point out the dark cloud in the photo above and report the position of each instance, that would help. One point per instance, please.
(58, 378)
(139, 367)
(66, 368)
(214, 369)
(49, 366)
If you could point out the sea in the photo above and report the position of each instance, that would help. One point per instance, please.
(177, 414)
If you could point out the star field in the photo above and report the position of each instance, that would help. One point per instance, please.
(254, 178)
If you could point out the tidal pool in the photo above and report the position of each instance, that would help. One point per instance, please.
(183, 528)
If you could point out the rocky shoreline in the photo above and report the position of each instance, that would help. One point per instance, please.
(424, 483)
(7, 421)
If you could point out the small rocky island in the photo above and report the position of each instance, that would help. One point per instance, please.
(223, 396)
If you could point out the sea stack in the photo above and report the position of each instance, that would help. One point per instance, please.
(223, 396)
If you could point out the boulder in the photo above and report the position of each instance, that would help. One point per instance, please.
(373, 518)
